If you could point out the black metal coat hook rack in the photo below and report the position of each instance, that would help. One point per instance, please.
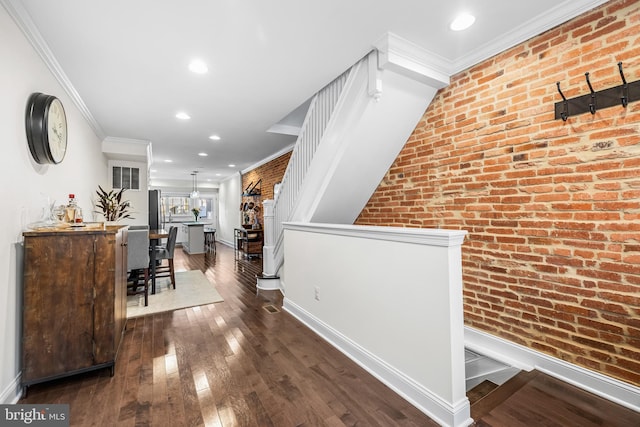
(619, 95)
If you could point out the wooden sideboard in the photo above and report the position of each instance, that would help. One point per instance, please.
(74, 305)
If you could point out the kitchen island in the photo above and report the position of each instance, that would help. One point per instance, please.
(194, 237)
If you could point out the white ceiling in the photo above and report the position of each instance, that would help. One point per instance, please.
(125, 62)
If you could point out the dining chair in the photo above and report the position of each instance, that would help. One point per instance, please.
(138, 262)
(166, 253)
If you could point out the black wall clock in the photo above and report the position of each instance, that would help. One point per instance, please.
(46, 126)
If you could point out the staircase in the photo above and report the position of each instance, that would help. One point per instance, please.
(483, 375)
(353, 131)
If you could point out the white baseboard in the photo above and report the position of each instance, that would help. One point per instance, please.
(12, 393)
(455, 414)
(225, 242)
(527, 359)
(269, 284)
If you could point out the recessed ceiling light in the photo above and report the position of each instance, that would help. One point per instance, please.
(154, 170)
(183, 116)
(218, 174)
(462, 22)
(168, 161)
(232, 166)
(215, 137)
(198, 66)
(202, 154)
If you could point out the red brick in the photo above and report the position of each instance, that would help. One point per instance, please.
(553, 216)
(605, 307)
(270, 173)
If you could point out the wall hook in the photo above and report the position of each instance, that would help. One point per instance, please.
(565, 109)
(625, 87)
(592, 104)
(624, 93)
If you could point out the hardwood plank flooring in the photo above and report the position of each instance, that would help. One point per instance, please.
(233, 363)
(480, 391)
(240, 363)
(536, 399)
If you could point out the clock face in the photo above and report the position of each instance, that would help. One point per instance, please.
(57, 131)
(46, 127)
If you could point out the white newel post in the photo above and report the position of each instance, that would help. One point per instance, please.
(268, 261)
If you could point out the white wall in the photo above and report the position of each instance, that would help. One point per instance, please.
(230, 197)
(26, 186)
(377, 127)
(391, 299)
(139, 199)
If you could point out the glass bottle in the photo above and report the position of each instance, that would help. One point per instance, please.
(78, 215)
(71, 209)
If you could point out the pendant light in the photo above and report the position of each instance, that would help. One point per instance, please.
(195, 193)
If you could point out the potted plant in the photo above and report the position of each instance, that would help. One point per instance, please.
(111, 205)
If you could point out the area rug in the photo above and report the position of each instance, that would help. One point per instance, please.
(192, 289)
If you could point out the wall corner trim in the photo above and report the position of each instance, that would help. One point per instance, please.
(12, 393)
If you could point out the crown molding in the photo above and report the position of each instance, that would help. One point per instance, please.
(268, 159)
(127, 149)
(411, 60)
(285, 129)
(234, 175)
(23, 20)
(537, 25)
(120, 140)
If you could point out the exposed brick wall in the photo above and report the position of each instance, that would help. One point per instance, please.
(552, 259)
(270, 173)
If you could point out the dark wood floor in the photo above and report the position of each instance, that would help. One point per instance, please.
(536, 399)
(243, 362)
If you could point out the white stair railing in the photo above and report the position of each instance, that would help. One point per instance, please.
(313, 127)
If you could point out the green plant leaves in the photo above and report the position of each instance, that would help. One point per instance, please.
(111, 204)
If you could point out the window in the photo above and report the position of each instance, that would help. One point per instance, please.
(177, 208)
(125, 177)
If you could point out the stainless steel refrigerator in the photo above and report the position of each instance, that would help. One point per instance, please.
(155, 210)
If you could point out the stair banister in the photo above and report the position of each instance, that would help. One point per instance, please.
(316, 120)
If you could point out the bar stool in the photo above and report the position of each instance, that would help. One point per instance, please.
(210, 239)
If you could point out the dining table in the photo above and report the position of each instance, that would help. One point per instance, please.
(154, 237)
